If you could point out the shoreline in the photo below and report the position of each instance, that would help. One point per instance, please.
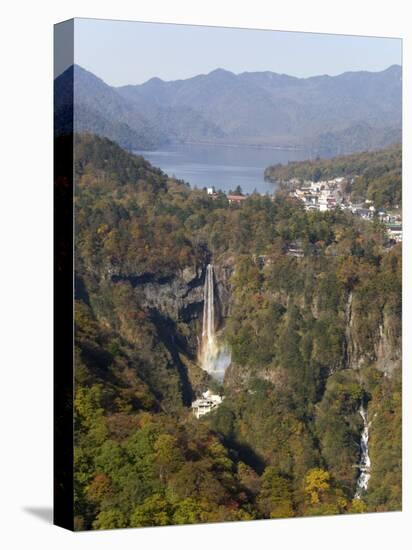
(224, 144)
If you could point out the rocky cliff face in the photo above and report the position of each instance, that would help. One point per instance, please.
(378, 344)
(388, 350)
(223, 272)
(180, 296)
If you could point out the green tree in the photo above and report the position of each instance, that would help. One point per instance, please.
(275, 496)
(155, 510)
(168, 457)
(110, 519)
(189, 510)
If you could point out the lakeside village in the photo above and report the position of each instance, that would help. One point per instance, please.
(328, 195)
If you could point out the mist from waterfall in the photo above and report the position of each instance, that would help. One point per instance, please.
(214, 356)
(365, 461)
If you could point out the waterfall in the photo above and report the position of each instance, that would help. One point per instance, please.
(365, 461)
(208, 330)
(214, 358)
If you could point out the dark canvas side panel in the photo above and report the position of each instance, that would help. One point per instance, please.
(63, 276)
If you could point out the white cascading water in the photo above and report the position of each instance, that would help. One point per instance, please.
(208, 330)
(214, 358)
(365, 461)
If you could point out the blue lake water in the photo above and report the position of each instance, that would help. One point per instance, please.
(223, 167)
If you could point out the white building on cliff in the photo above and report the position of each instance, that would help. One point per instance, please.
(205, 404)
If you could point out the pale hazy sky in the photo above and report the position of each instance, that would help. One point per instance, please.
(124, 52)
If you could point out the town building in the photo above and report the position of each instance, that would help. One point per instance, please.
(395, 233)
(236, 199)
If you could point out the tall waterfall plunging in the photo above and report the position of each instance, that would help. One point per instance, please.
(365, 461)
(214, 357)
(208, 328)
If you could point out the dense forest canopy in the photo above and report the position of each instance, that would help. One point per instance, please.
(376, 175)
(312, 339)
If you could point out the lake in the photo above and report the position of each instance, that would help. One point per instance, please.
(221, 166)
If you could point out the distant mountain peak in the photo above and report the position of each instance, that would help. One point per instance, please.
(221, 72)
(155, 80)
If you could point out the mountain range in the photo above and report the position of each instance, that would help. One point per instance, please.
(329, 115)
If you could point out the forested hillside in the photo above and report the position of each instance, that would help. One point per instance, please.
(84, 102)
(377, 175)
(312, 339)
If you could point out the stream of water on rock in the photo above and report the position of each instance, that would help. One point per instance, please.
(365, 461)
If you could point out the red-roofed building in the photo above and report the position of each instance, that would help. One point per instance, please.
(236, 199)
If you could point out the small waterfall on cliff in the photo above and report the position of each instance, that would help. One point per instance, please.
(365, 461)
(214, 358)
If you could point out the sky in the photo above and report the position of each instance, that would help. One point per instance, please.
(124, 52)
